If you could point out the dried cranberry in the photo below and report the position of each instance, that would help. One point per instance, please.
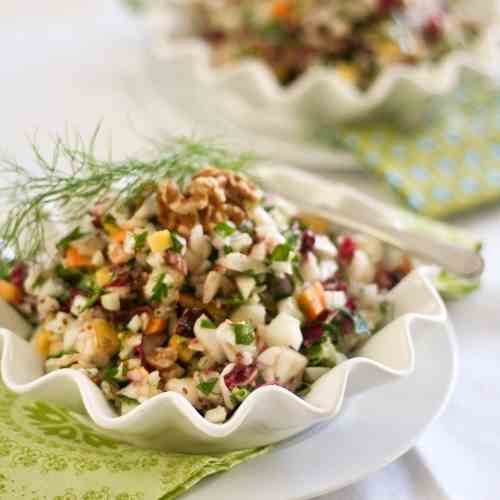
(347, 248)
(185, 324)
(215, 36)
(433, 28)
(347, 326)
(97, 221)
(139, 351)
(240, 375)
(312, 333)
(308, 241)
(330, 285)
(120, 280)
(350, 304)
(334, 285)
(386, 6)
(18, 274)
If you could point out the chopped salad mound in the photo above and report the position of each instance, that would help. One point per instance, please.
(209, 288)
(359, 38)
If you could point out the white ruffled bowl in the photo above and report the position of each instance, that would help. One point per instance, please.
(254, 97)
(268, 415)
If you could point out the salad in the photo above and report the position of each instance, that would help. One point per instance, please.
(359, 38)
(199, 284)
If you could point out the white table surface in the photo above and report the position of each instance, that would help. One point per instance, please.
(67, 64)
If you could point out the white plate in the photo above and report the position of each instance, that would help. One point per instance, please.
(374, 429)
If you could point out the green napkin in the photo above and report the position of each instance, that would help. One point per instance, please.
(448, 165)
(48, 453)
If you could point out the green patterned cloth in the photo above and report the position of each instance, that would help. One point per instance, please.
(46, 453)
(449, 165)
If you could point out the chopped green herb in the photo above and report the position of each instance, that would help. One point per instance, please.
(292, 239)
(206, 323)
(70, 276)
(115, 373)
(239, 394)
(233, 301)
(214, 255)
(109, 219)
(88, 285)
(297, 273)
(5, 269)
(177, 245)
(56, 356)
(227, 249)
(207, 386)
(225, 229)
(303, 390)
(281, 253)
(76, 234)
(40, 280)
(244, 333)
(140, 240)
(160, 289)
(321, 353)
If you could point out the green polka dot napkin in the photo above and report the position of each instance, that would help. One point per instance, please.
(47, 453)
(450, 164)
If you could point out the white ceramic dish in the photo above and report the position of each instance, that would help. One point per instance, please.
(255, 98)
(372, 431)
(269, 415)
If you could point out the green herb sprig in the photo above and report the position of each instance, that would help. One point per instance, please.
(64, 185)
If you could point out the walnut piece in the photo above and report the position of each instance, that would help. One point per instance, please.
(213, 196)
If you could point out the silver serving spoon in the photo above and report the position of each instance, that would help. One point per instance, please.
(356, 213)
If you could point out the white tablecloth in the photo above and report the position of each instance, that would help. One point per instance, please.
(70, 63)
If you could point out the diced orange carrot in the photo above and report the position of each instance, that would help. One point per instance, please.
(156, 325)
(281, 9)
(119, 236)
(312, 300)
(10, 293)
(75, 259)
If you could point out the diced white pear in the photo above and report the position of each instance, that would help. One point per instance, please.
(284, 330)
(324, 247)
(313, 373)
(216, 415)
(209, 340)
(211, 286)
(281, 364)
(254, 313)
(361, 269)
(335, 299)
(240, 262)
(310, 268)
(246, 285)
(111, 301)
(290, 306)
(327, 269)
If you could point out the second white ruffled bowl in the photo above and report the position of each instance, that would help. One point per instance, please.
(268, 415)
(255, 99)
